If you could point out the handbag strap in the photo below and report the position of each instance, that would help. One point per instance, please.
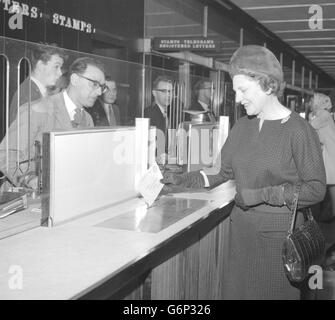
(294, 207)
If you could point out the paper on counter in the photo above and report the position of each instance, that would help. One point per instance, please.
(150, 186)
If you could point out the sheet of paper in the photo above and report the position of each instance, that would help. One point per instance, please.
(150, 186)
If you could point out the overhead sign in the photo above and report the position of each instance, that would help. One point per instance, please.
(187, 43)
(17, 11)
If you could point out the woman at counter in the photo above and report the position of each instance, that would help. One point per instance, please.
(268, 153)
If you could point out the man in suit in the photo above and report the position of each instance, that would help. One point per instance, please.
(63, 110)
(46, 69)
(158, 113)
(203, 97)
(105, 112)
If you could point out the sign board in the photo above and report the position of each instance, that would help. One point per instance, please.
(187, 43)
(18, 11)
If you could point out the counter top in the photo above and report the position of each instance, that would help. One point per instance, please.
(70, 260)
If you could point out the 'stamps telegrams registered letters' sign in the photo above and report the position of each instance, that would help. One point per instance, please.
(187, 43)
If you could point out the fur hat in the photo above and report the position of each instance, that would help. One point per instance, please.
(256, 60)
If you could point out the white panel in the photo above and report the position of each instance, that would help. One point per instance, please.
(141, 148)
(90, 170)
(202, 145)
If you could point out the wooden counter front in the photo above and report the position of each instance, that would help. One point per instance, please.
(79, 260)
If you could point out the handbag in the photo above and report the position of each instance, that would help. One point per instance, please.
(304, 246)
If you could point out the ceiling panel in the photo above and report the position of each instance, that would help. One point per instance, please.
(290, 20)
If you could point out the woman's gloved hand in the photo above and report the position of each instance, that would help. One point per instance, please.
(273, 195)
(188, 180)
(172, 178)
(239, 201)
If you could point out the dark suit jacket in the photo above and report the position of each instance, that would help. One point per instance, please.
(47, 114)
(99, 116)
(156, 117)
(35, 94)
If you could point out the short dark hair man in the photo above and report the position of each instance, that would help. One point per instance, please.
(158, 113)
(46, 69)
(105, 111)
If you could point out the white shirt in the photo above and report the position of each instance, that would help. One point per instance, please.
(70, 105)
(204, 105)
(108, 110)
(205, 178)
(40, 86)
(162, 109)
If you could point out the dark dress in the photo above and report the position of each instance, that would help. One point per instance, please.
(282, 151)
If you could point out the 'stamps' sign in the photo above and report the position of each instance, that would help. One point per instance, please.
(17, 11)
(187, 43)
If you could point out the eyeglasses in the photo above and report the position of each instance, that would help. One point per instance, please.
(96, 84)
(207, 88)
(166, 91)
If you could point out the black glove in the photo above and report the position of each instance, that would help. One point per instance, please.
(188, 180)
(252, 197)
(171, 178)
(239, 201)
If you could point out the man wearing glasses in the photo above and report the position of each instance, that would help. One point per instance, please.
(63, 111)
(158, 113)
(105, 111)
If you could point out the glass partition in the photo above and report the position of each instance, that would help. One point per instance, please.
(25, 116)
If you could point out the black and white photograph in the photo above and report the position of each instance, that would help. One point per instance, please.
(167, 154)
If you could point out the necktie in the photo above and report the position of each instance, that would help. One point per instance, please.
(112, 120)
(211, 116)
(79, 119)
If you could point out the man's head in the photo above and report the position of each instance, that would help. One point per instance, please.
(163, 91)
(111, 93)
(86, 81)
(204, 90)
(47, 62)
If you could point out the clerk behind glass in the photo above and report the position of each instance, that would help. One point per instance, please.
(105, 111)
(61, 111)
